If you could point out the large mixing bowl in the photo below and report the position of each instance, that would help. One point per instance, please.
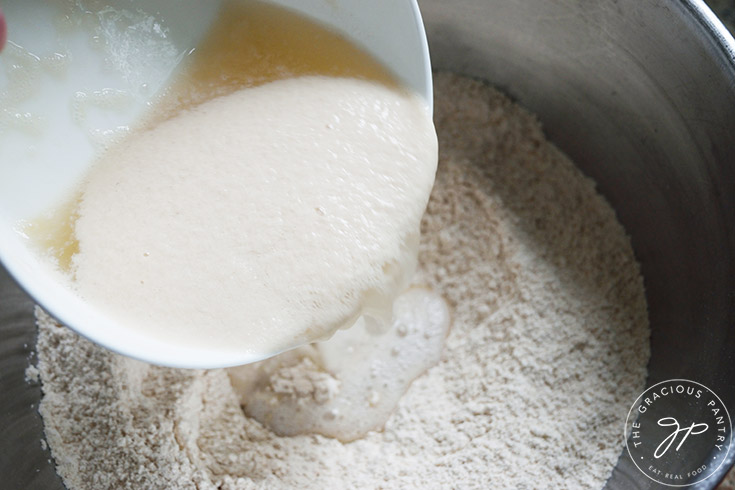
(641, 94)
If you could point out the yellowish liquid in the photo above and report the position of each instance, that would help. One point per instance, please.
(53, 233)
(251, 43)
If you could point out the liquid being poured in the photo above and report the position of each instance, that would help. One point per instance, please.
(286, 161)
(260, 220)
(350, 384)
(272, 196)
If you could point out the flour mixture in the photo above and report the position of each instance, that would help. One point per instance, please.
(548, 345)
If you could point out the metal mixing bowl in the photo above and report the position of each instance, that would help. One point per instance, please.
(641, 94)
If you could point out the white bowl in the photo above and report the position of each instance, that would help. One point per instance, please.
(45, 146)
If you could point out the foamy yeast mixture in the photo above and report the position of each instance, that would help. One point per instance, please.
(262, 219)
(350, 384)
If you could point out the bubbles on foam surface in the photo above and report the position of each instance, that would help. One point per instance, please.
(351, 383)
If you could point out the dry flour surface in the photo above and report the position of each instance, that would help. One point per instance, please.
(548, 348)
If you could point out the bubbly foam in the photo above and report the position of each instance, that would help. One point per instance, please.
(260, 220)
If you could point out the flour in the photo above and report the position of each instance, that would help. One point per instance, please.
(548, 348)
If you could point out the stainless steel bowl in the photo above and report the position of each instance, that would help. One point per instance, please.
(641, 94)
